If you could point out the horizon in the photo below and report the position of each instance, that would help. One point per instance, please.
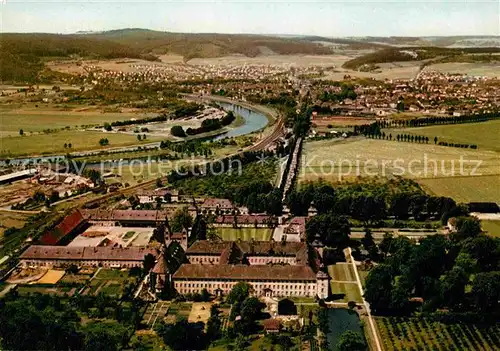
(396, 18)
(85, 32)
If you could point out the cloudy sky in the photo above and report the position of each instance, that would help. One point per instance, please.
(326, 17)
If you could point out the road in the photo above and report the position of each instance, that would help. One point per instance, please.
(366, 304)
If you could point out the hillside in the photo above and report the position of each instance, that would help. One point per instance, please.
(22, 56)
(422, 53)
(209, 44)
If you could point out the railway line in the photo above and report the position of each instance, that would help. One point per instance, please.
(278, 131)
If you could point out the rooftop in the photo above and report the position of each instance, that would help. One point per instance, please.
(244, 272)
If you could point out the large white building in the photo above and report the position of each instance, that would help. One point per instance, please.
(274, 269)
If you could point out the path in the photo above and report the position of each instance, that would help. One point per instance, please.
(366, 304)
(90, 280)
(159, 308)
(7, 289)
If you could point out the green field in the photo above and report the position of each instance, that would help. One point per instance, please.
(429, 164)
(32, 119)
(245, 234)
(110, 282)
(465, 189)
(345, 292)
(52, 143)
(484, 135)
(421, 334)
(492, 227)
(342, 272)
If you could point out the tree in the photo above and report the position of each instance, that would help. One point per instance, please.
(453, 286)
(351, 341)
(181, 220)
(21, 132)
(69, 145)
(378, 287)
(239, 293)
(331, 229)
(139, 137)
(182, 335)
(486, 291)
(468, 227)
(104, 336)
(177, 131)
(54, 196)
(159, 183)
(107, 127)
(435, 140)
(251, 308)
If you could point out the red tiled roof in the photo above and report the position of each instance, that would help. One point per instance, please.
(102, 253)
(271, 324)
(270, 248)
(207, 247)
(221, 203)
(244, 272)
(68, 225)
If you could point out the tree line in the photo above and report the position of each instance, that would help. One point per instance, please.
(373, 131)
(459, 273)
(438, 120)
(372, 203)
(46, 322)
(208, 125)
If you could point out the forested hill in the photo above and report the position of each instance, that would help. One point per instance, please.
(22, 56)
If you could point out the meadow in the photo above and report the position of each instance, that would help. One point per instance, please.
(245, 234)
(423, 334)
(491, 227)
(465, 189)
(32, 119)
(484, 135)
(431, 165)
(52, 143)
(343, 284)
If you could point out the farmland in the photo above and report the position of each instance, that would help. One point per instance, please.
(424, 334)
(32, 120)
(232, 234)
(464, 189)
(54, 142)
(484, 135)
(338, 161)
(11, 219)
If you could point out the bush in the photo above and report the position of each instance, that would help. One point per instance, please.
(177, 131)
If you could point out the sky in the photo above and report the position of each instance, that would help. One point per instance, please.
(307, 17)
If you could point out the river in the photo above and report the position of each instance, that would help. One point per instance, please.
(254, 121)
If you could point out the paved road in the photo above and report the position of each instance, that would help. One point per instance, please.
(366, 304)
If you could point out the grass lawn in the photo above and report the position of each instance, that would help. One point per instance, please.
(245, 234)
(128, 235)
(51, 143)
(492, 227)
(180, 310)
(345, 292)
(342, 272)
(37, 119)
(484, 135)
